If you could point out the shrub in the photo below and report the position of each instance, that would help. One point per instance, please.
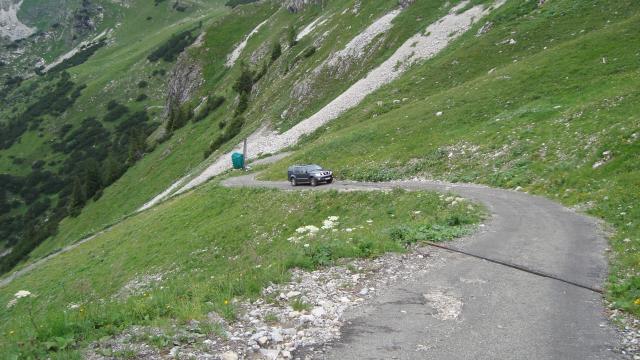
(170, 50)
(79, 58)
(213, 102)
(276, 51)
(141, 97)
(308, 52)
(142, 84)
(234, 3)
(243, 104)
(291, 36)
(234, 128)
(116, 111)
(245, 81)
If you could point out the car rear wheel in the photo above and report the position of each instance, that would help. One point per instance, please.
(314, 182)
(329, 181)
(293, 181)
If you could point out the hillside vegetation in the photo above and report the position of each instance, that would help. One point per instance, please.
(69, 133)
(552, 112)
(538, 97)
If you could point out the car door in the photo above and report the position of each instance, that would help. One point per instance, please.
(303, 174)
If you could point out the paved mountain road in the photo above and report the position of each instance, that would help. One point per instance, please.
(470, 308)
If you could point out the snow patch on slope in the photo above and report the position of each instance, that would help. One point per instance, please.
(235, 54)
(421, 46)
(10, 26)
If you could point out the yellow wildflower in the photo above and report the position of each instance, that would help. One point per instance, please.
(226, 302)
(11, 332)
(637, 302)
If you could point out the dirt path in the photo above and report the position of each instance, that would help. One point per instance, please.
(476, 309)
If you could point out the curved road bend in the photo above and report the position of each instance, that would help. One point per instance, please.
(506, 313)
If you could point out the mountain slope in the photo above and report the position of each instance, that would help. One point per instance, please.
(536, 97)
(69, 133)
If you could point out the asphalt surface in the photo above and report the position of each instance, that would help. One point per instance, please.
(470, 308)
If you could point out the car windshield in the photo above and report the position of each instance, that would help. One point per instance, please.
(314, 168)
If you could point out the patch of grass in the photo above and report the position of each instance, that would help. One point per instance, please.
(271, 318)
(300, 305)
(214, 246)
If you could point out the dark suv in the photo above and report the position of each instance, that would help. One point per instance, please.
(308, 174)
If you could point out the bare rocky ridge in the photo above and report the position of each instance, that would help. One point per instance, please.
(298, 5)
(184, 80)
(10, 26)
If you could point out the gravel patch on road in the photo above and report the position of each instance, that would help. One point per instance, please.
(419, 47)
(629, 329)
(303, 313)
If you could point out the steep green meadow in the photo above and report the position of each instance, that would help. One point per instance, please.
(182, 153)
(118, 72)
(208, 246)
(537, 114)
(545, 101)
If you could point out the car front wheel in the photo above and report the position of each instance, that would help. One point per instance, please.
(293, 181)
(314, 182)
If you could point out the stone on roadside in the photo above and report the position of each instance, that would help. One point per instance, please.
(269, 354)
(229, 355)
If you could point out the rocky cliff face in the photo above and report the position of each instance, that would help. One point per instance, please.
(10, 26)
(298, 5)
(184, 80)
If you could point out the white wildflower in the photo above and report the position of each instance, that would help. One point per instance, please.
(301, 230)
(306, 245)
(449, 199)
(19, 295)
(22, 294)
(73, 306)
(417, 212)
(12, 303)
(312, 229)
(333, 218)
(327, 224)
(348, 229)
(369, 221)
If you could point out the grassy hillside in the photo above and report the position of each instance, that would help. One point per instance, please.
(86, 132)
(543, 99)
(540, 114)
(208, 247)
(271, 95)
